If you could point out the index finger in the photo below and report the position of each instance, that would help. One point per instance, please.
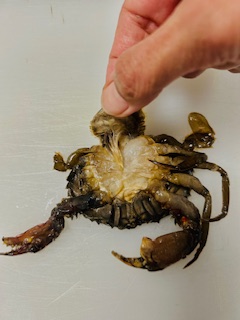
(138, 19)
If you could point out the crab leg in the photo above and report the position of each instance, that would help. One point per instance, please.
(167, 249)
(187, 157)
(163, 251)
(193, 183)
(38, 237)
(72, 160)
(225, 187)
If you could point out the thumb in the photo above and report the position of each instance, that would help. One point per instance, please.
(142, 71)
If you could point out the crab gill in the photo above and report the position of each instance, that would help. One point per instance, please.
(116, 142)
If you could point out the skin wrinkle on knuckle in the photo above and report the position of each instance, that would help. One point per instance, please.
(223, 42)
(147, 24)
(225, 48)
(157, 10)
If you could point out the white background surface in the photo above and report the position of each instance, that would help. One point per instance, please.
(53, 58)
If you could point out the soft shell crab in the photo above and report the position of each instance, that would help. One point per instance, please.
(130, 179)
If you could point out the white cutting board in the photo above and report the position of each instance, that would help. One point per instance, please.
(53, 59)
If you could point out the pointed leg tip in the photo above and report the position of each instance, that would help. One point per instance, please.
(191, 261)
(133, 262)
(115, 254)
(10, 253)
(118, 256)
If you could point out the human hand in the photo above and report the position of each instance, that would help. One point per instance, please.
(158, 41)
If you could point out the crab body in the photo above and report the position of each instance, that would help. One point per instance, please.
(131, 178)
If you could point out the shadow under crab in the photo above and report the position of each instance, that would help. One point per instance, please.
(131, 179)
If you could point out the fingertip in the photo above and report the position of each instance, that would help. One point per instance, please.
(114, 104)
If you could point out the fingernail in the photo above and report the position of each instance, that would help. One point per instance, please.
(112, 102)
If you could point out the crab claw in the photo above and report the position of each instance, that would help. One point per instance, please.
(36, 238)
(163, 251)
